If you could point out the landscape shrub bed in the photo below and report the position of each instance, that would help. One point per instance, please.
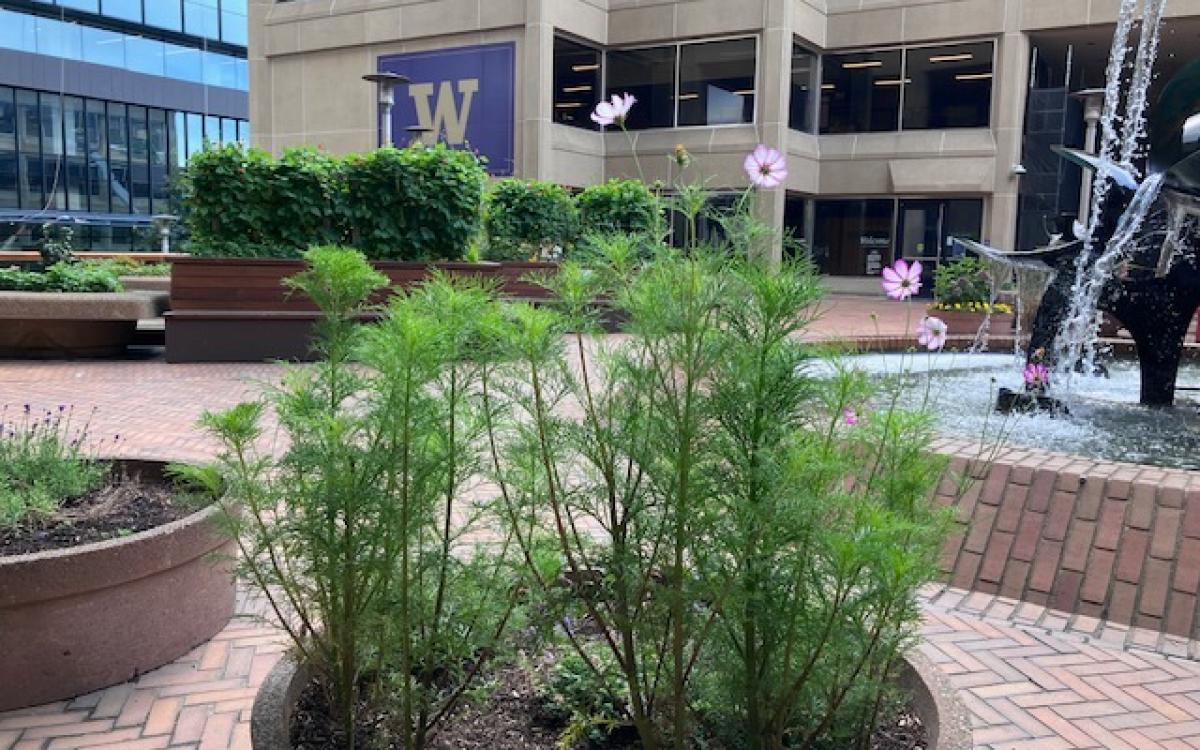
(61, 277)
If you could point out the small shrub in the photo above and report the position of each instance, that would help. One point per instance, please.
(622, 206)
(61, 277)
(42, 464)
(57, 245)
(523, 219)
(960, 282)
(125, 266)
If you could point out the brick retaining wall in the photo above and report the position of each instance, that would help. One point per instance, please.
(1109, 540)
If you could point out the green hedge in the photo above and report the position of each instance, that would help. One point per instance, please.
(523, 216)
(417, 203)
(60, 277)
(620, 206)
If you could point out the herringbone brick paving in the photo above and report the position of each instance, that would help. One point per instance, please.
(1030, 677)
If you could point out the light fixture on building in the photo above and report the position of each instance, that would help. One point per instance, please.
(688, 96)
(892, 81)
(952, 58)
(576, 89)
(744, 92)
(1018, 170)
(863, 64)
(386, 84)
(568, 105)
(585, 68)
(973, 77)
(828, 87)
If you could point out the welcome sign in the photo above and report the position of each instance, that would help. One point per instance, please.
(462, 97)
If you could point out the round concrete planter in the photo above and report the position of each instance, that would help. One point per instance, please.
(76, 620)
(965, 323)
(945, 717)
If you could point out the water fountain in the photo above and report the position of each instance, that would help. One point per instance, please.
(1134, 258)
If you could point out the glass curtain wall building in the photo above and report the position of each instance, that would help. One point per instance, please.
(101, 104)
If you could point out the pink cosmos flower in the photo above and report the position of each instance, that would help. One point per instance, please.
(615, 111)
(1037, 377)
(850, 416)
(931, 333)
(901, 280)
(766, 167)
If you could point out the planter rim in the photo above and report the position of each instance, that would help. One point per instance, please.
(947, 722)
(52, 574)
(212, 260)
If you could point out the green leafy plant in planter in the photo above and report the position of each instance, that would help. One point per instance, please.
(43, 463)
(526, 220)
(358, 534)
(965, 285)
(61, 277)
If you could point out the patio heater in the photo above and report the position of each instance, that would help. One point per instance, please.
(386, 84)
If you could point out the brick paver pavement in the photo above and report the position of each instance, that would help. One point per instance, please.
(1030, 677)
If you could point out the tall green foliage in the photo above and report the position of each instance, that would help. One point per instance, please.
(358, 533)
(410, 204)
(619, 206)
(522, 218)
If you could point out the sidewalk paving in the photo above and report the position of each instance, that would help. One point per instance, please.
(1030, 677)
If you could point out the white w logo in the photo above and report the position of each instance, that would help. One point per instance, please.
(447, 116)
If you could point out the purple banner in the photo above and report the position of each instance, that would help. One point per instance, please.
(462, 97)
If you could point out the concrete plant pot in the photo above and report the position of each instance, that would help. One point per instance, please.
(967, 323)
(40, 325)
(78, 619)
(945, 717)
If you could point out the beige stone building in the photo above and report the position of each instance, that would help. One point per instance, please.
(905, 122)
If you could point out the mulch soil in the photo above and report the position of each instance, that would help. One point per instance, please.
(119, 509)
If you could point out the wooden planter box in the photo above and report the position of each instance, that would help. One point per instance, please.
(78, 619)
(965, 323)
(238, 310)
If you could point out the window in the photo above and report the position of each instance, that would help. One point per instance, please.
(8, 149)
(159, 181)
(75, 129)
(54, 183)
(139, 152)
(244, 132)
(804, 90)
(184, 63)
(58, 39)
(860, 92)
(91, 6)
(118, 158)
(228, 130)
(648, 74)
(145, 55)
(928, 227)
(130, 10)
(97, 155)
(200, 17)
(853, 237)
(233, 21)
(716, 83)
(165, 14)
(103, 47)
(195, 134)
(177, 141)
(17, 31)
(577, 72)
(795, 224)
(949, 87)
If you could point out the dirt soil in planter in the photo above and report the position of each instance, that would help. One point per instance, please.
(513, 718)
(120, 509)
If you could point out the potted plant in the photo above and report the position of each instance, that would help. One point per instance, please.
(66, 308)
(964, 297)
(107, 567)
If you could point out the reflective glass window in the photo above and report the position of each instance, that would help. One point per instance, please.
(59, 39)
(220, 70)
(228, 130)
(200, 17)
(233, 21)
(195, 134)
(244, 132)
(17, 31)
(716, 82)
(145, 55)
(165, 14)
(948, 87)
(183, 63)
(577, 70)
(130, 10)
(75, 137)
(53, 169)
(648, 74)
(91, 6)
(860, 92)
(853, 237)
(177, 140)
(103, 47)
(8, 149)
(99, 175)
(139, 154)
(29, 159)
(802, 108)
(159, 159)
(118, 158)
(212, 129)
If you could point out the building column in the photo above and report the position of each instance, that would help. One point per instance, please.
(775, 73)
(536, 80)
(1012, 82)
(259, 73)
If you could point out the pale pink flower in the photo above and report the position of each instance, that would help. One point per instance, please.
(613, 112)
(931, 333)
(901, 280)
(1037, 377)
(850, 416)
(766, 167)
